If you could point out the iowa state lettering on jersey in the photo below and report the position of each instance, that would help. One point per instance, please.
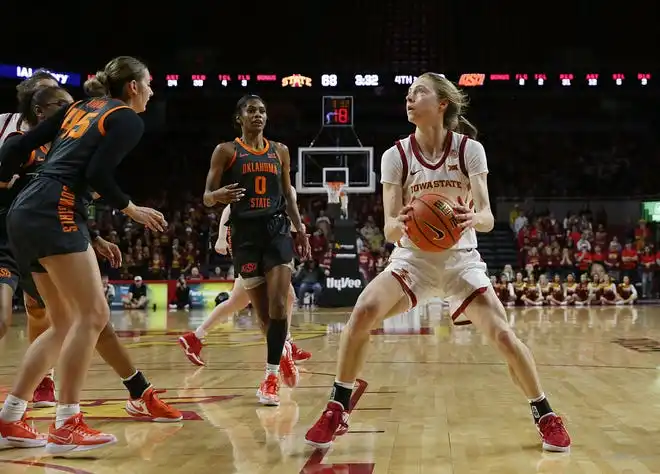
(437, 183)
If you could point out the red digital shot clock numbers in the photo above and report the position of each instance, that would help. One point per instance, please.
(337, 111)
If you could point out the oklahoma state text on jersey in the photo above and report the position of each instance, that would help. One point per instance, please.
(260, 173)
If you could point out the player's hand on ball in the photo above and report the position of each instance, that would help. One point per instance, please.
(464, 215)
(403, 218)
(228, 194)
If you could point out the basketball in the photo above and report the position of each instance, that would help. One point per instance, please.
(433, 226)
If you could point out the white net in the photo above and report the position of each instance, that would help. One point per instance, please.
(335, 189)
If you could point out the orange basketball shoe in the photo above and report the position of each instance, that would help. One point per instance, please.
(192, 347)
(288, 368)
(553, 433)
(75, 436)
(44, 395)
(269, 391)
(333, 422)
(18, 434)
(150, 407)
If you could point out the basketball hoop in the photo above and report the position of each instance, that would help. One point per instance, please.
(335, 189)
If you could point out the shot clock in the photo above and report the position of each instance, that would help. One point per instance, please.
(337, 111)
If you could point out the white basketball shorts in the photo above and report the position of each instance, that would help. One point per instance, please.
(457, 276)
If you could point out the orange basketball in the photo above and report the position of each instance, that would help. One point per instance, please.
(433, 226)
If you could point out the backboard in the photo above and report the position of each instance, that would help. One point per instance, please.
(317, 165)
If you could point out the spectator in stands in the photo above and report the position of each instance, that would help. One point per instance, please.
(137, 295)
(629, 259)
(642, 235)
(318, 243)
(520, 222)
(108, 289)
(583, 244)
(217, 274)
(372, 234)
(308, 279)
(615, 244)
(598, 256)
(195, 276)
(612, 263)
(513, 215)
(566, 262)
(182, 295)
(323, 223)
(600, 238)
(367, 265)
(647, 269)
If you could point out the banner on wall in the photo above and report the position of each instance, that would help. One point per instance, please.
(344, 284)
(156, 292)
(203, 294)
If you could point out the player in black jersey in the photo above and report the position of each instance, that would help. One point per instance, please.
(143, 403)
(47, 226)
(257, 185)
(10, 123)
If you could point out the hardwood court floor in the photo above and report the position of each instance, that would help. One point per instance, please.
(433, 399)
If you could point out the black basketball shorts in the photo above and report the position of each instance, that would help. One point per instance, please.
(46, 219)
(9, 274)
(259, 245)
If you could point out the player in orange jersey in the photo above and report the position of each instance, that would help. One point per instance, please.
(257, 185)
(193, 342)
(47, 228)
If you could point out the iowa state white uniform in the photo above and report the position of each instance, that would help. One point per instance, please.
(10, 123)
(457, 275)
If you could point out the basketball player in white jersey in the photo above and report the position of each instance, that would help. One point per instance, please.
(13, 122)
(192, 343)
(435, 160)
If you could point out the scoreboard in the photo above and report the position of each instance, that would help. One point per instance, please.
(347, 81)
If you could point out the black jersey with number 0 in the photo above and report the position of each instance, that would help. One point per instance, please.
(260, 173)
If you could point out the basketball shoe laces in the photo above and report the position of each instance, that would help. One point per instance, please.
(554, 426)
(22, 423)
(332, 417)
(83, 429)
(272, 385)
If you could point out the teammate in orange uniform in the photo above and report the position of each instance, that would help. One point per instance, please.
(433, 154)
(255, 172)
(193, 342)
(143, 403)
(47, 226)
(11, 123)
